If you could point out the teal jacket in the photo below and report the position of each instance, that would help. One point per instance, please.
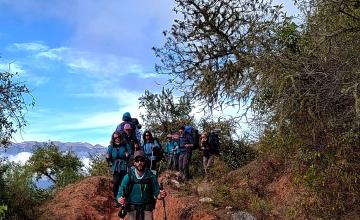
(117, 157)
(170, 145)
(142, 193)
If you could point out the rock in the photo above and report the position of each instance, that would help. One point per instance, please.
(242, 216)
(203, 189)
(175, 183)
(206, 200)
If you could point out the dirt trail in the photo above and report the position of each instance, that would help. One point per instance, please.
(92, 199)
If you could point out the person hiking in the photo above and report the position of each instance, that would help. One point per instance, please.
(150, 146)
(117, 157)
(128, 135)
(171, 149)
(135, 126)
(139, 190)
(209, 146)
(185, 146)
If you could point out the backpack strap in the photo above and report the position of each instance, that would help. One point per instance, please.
(132, 182)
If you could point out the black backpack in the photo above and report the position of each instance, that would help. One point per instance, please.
(148, 181)
(214, 142)
(158, 152)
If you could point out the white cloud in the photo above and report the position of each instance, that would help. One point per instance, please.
(20, 157)
(31, 46)
(11, 67)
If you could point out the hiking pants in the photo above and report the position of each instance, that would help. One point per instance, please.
(117, 178)
(207, 161)
(172, 161)
(184, 160)
(148, 215)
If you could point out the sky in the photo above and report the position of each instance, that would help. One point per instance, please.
(86, 62)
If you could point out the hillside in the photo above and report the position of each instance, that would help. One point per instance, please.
(265, 186)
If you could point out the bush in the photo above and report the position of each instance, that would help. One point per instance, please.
(237, 153)
(98, 166)
(21, 196)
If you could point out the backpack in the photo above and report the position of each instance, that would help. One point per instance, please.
(131, 183)
(158, 152)
(214, 142)
(194, 133)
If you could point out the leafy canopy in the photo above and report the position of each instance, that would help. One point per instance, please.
(13, 106)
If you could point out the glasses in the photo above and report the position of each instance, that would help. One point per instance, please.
(127, 129)
(116, 137)
(137, 160)
(147, 135)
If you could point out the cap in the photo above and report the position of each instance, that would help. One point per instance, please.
(127, 126)
(139, 153)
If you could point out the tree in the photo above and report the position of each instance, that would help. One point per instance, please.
(12, 106)
(212, 51)
(19, 192)
(301, 80)
(59, 167)
(162, 114)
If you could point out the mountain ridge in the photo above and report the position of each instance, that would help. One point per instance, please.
(81, 149)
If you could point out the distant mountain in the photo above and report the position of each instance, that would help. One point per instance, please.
(79, 148)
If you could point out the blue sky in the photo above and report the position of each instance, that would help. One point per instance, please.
(86, 62)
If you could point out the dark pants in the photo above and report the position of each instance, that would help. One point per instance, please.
(173, 161)
(117, 178)
(184, 161)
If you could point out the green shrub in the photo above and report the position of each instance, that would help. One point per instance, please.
(237, 153)
(98, 166)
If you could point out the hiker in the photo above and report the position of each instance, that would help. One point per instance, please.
(151, 147)
(132, 140)
(117, 157)
(139, 190)
(135, 125)
(171, 149)
(185, 146)
(210, 148)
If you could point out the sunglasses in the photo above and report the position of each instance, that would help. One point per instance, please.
(139, 160)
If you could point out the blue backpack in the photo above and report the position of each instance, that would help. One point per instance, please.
(194, 133)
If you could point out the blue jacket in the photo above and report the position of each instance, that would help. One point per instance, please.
(185, 138)
(148, 148)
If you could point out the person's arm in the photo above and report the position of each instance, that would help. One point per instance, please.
(156, 188)
(122, 188)
(108, 154)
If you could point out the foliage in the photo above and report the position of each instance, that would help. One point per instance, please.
(98, 166)
(237, 153)
(163, 115)
(300, 80)
(212, 51)
(21, 195)
(61, 168)
(13, 106)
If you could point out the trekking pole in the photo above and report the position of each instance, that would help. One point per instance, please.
(161, 188)
(122, 212)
